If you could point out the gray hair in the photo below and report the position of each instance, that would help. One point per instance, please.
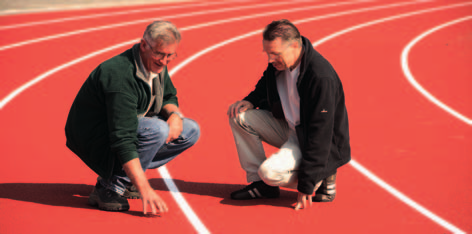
(283, 29)
(162, 31)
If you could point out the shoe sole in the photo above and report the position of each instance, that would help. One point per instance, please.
(131, 194)
(323, 198)
(253, 198)
(94, 200)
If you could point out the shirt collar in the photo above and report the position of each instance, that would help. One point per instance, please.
(141, 70)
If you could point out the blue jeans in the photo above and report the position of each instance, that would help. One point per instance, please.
(152, 148)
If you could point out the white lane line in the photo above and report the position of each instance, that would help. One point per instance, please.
(189, 213)
(191, 216)
(220, 44)
(396, 193)
(32, 82)
(402, 197)
(224, 43)
(109, 14)
(265, 14)
(435, 218)
(416, 85)
(72, 7)
(109, 26)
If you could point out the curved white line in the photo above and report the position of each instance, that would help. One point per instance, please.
(189, 213)
(369, 175)
(72, 7)
(88, 30)
(108, 14)
(416, 85)
(43, 76)
(388, 19)
(364, 171)
(396, 193)
(32, 82)
(202, 52)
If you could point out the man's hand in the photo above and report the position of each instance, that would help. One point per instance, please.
(302, 201)
(175, 127)
(238, 107)
(150, 198)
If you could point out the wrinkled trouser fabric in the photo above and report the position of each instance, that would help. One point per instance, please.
(152, 150)
(252, 127)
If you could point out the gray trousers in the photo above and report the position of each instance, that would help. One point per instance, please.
(252, 127)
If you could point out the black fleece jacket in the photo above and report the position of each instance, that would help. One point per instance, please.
(323, 132)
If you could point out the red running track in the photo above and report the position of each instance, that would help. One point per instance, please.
(411, 158)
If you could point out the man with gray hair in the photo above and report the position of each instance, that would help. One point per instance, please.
(297, 106)
(126, 119)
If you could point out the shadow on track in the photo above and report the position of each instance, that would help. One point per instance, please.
(286, 199)
(76, 195)
(68, 195)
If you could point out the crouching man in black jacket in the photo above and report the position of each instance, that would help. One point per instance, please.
(297, 106)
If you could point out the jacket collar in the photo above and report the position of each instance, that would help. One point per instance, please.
(308, 52)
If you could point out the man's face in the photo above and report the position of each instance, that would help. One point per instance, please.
(280, 53)
(156, 55)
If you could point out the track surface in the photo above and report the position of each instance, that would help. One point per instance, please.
(411, 171)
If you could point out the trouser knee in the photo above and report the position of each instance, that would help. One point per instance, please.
(272, 177)
(152, 130)
(191, 131)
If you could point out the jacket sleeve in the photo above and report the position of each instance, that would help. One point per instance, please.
(258, 97)
(170, 92)
(122, 124)
(316, 145)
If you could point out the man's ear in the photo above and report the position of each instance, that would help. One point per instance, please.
(142, 44)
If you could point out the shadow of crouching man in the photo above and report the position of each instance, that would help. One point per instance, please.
(76, 195)
(223, 191)
(67, 195)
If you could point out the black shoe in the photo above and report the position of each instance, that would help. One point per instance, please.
(257, 189)
(107, 199)
(131, 192)
(327, 190)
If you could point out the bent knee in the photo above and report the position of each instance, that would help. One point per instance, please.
(152, 128)
(270, 176)
(191, 129)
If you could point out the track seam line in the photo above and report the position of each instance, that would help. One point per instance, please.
(73, 8)
(17, 91)
(416, 85)
(189, 213)
(214, 47)
(92, 16)
(147, 20)
(396, 193)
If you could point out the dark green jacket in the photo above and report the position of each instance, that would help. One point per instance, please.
(102, 124)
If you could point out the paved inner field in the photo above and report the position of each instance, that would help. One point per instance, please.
(405, 68)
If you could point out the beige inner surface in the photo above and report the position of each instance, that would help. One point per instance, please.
(28, 6)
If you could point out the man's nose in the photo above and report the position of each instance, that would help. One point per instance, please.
(164, 60)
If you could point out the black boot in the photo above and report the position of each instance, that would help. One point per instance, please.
(257, 189)
(327, 190)
(107, 199)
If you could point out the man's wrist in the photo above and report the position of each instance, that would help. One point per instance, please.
(180, 115)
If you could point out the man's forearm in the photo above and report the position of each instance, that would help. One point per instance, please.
(135, 172)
